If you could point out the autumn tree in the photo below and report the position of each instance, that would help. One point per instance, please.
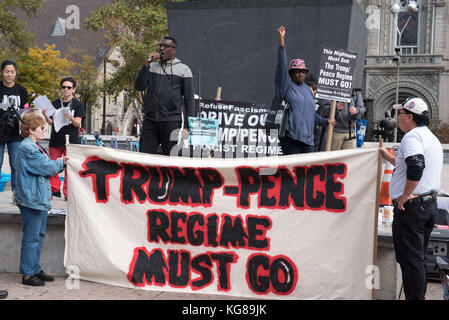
(12, 31)
(135, 27)
(40, 71)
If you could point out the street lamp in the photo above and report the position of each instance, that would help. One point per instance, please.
(412, 7)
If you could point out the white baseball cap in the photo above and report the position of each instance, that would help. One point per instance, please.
(415, 105)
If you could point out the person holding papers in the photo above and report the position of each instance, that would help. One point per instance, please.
(72, 116)
(11, 93)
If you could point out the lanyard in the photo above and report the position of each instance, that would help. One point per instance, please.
(42, 149)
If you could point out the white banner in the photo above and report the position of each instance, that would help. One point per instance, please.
(287, 227)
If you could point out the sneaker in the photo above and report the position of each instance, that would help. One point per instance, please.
(33, 281)
(44, 277)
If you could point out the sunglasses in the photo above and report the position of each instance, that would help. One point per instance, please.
(160, 45)
(66, 87)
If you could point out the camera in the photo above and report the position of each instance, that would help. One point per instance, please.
(9, 120)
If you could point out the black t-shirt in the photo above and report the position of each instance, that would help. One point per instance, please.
(19, 96)
(57, 139)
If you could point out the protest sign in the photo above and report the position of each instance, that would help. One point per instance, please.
(336, 75)
(241, 130)
(203, 131)
(220, 226)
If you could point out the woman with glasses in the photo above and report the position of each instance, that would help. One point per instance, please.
(11, 93)
(57, 139)
(33, 171)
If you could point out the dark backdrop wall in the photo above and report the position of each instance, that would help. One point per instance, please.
(234, 43)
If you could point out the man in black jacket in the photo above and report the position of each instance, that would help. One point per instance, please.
(169, 99)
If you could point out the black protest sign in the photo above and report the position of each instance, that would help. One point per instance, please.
(336, 75)
(241, 131)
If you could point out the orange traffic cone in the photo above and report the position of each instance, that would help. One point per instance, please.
(384, 199)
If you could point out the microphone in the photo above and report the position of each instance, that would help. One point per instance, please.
(152, 58)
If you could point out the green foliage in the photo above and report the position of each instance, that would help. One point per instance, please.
(12, 33)
(135, 27)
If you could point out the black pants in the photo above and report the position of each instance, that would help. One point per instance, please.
(411, 233)
(291, 146)
(164, 133)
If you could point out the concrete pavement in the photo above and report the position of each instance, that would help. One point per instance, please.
(57, 290)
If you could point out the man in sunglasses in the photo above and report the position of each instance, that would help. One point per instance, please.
(415, 181)
(169, 99)
(57, 139)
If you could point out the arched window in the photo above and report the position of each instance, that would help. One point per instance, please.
(409, 40)
(108, 129)
(134, 127)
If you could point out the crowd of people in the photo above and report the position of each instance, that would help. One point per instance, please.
(169, 101)
(34, 170)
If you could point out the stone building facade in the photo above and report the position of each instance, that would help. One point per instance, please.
(121, 115)
(423, 61)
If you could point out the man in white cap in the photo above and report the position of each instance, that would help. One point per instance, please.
(414, 184)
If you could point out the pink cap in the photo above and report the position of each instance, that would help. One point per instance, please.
(297, 64)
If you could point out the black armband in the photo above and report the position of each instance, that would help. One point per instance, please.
(415, 167)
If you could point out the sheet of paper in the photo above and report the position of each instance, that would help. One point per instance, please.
(42, 102)
(59, 120)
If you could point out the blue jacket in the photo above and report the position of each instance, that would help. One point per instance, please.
(33, 172)
(302, 118)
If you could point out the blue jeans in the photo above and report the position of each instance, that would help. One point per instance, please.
(13, 146)
(291, 146)
(34, 223)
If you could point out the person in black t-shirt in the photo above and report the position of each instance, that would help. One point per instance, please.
(13, 94)
(57, 139)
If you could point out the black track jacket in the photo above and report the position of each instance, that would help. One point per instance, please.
(170, 91)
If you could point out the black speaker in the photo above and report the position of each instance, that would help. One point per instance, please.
(234, 42)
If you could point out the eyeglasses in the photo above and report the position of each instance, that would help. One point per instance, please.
(66, 87)
(402, 113)
(160, 45)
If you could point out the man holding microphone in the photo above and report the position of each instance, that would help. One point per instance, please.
(169, 99)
